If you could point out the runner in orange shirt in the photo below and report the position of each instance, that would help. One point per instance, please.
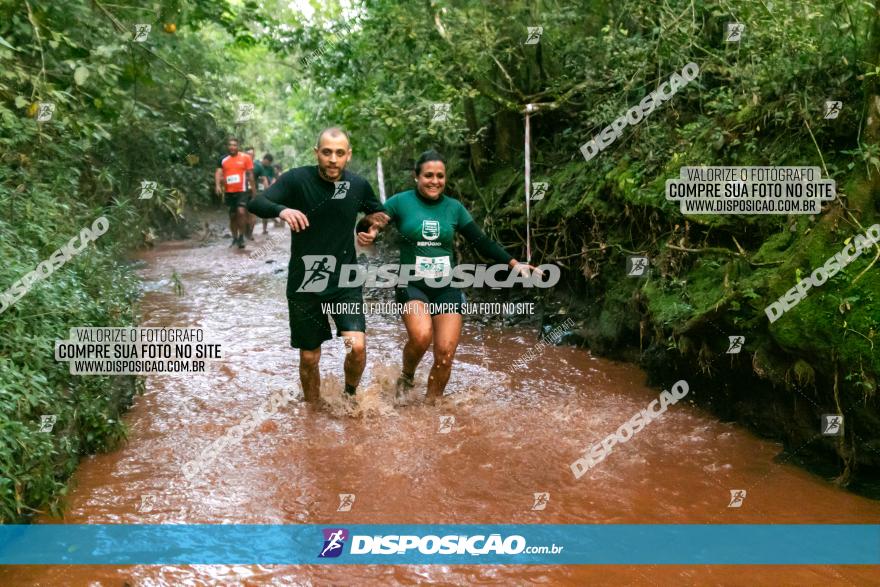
(235, 177)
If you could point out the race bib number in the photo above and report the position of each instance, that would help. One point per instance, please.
(432, 267)
(234, 178)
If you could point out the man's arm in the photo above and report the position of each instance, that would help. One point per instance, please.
(375, 220)
(278, 202)
(218, 179)
(372, 207)
(368, 227)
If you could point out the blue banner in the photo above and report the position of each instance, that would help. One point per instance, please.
(518, 544)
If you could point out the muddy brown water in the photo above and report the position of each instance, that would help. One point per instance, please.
(515, 433)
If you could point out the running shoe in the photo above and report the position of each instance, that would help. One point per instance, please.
(404, 384)
(349, 400)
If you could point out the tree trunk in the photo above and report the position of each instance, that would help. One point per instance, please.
(871, 133)
(478, 152)
(508, 136)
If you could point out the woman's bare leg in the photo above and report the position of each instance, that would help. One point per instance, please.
(419, 331)
(447, 331)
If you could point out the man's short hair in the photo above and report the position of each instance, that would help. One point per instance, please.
(231, 140)
(268, 157)
(333, 131)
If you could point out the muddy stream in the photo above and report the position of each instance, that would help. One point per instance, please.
(515, 432)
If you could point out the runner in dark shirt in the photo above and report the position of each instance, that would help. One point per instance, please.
(321, 204)
(264, 174)
(251, 219)
(278, 171)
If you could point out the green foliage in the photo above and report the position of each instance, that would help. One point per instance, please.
(125, 112)
(756, 102)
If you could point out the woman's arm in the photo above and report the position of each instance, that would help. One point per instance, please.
(489, 248)
(485, 245)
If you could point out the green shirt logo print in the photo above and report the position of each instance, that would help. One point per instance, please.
(430, 229)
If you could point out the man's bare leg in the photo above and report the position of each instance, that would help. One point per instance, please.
(233, 225)
(309, 374)
(241, 220)
(356, 357)
(250, 224)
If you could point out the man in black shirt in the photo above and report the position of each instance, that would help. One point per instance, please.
(320, 203)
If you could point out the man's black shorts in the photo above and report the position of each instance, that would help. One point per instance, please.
(438, 298)
(237, 200)
(309, 326)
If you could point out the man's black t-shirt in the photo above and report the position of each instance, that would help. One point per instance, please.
(332, 209)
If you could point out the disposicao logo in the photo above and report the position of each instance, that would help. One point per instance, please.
(321, 270)
(410, 544)
(334, 541)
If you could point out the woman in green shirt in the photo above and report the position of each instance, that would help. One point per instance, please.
(428, 220)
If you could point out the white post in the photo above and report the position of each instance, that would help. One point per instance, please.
(380, 177)
(528, 174)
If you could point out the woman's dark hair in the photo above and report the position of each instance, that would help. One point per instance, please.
(429, 155)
